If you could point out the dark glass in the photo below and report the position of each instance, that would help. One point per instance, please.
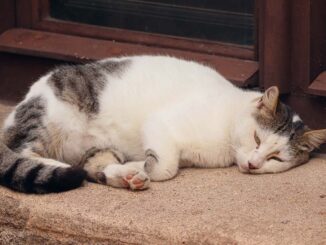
(230, 21)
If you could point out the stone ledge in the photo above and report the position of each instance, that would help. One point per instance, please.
(200, 206)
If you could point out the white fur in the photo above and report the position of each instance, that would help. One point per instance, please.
(296, 118)
(180, 109)
(10, 120)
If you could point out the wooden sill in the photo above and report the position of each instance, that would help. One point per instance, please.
(78, 49)
(318, 86)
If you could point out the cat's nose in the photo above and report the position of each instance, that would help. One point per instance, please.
(251, 166)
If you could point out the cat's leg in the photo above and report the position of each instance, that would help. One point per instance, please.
(162, 154)
(108, 167)
(161, 165)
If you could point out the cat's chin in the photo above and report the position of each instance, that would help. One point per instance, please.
(243, 170)
(250, 171)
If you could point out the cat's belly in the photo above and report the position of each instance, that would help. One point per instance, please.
(205, 158)
(75, 146)
(122, 136)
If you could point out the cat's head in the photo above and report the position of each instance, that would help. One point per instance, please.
(280, 140)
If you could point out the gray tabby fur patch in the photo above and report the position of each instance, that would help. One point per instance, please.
(28, 126)
(80, 85)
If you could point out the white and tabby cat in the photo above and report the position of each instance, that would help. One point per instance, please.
(126, 121)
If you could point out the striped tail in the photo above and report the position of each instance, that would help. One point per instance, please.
(32, 176)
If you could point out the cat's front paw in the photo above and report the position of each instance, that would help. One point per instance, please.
(138, 181)
(124, 176)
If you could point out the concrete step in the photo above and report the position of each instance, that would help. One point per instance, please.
(199, 206)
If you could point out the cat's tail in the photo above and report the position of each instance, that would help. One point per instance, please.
(33, 176)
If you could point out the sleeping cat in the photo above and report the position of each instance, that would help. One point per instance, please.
(126, 121)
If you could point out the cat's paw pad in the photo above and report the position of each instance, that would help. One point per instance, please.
(137, 181)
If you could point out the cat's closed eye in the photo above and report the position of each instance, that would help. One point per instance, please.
(257, 139)
(275, 158)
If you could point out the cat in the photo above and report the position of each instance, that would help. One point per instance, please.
(127, 121)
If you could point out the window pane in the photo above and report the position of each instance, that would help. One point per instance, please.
(229, 21)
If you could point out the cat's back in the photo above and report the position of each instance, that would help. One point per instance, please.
(170, 72)
(150, 82)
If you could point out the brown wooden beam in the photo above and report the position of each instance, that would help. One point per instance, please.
(7, 15)
(308, 46)
(274, 45)
(76, 49)
(300, 45)
(24, 12)
(318, 86)
(317, 38)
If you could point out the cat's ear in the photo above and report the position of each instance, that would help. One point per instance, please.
(312, 139)
(270, 99)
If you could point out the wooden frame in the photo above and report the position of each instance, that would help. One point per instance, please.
(76, 49)
(274, 45)
(235, 62)
(290, 47)
(7, 15)
(37, 17)
(317, 48)
(290, 39)
(292, 52)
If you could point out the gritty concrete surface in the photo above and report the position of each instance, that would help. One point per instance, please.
(200, 206)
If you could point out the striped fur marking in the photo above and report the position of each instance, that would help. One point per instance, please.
(92, 152)
(28, 126)
(80, 85)
(284, 122)
(34, 176)
(96, 160)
